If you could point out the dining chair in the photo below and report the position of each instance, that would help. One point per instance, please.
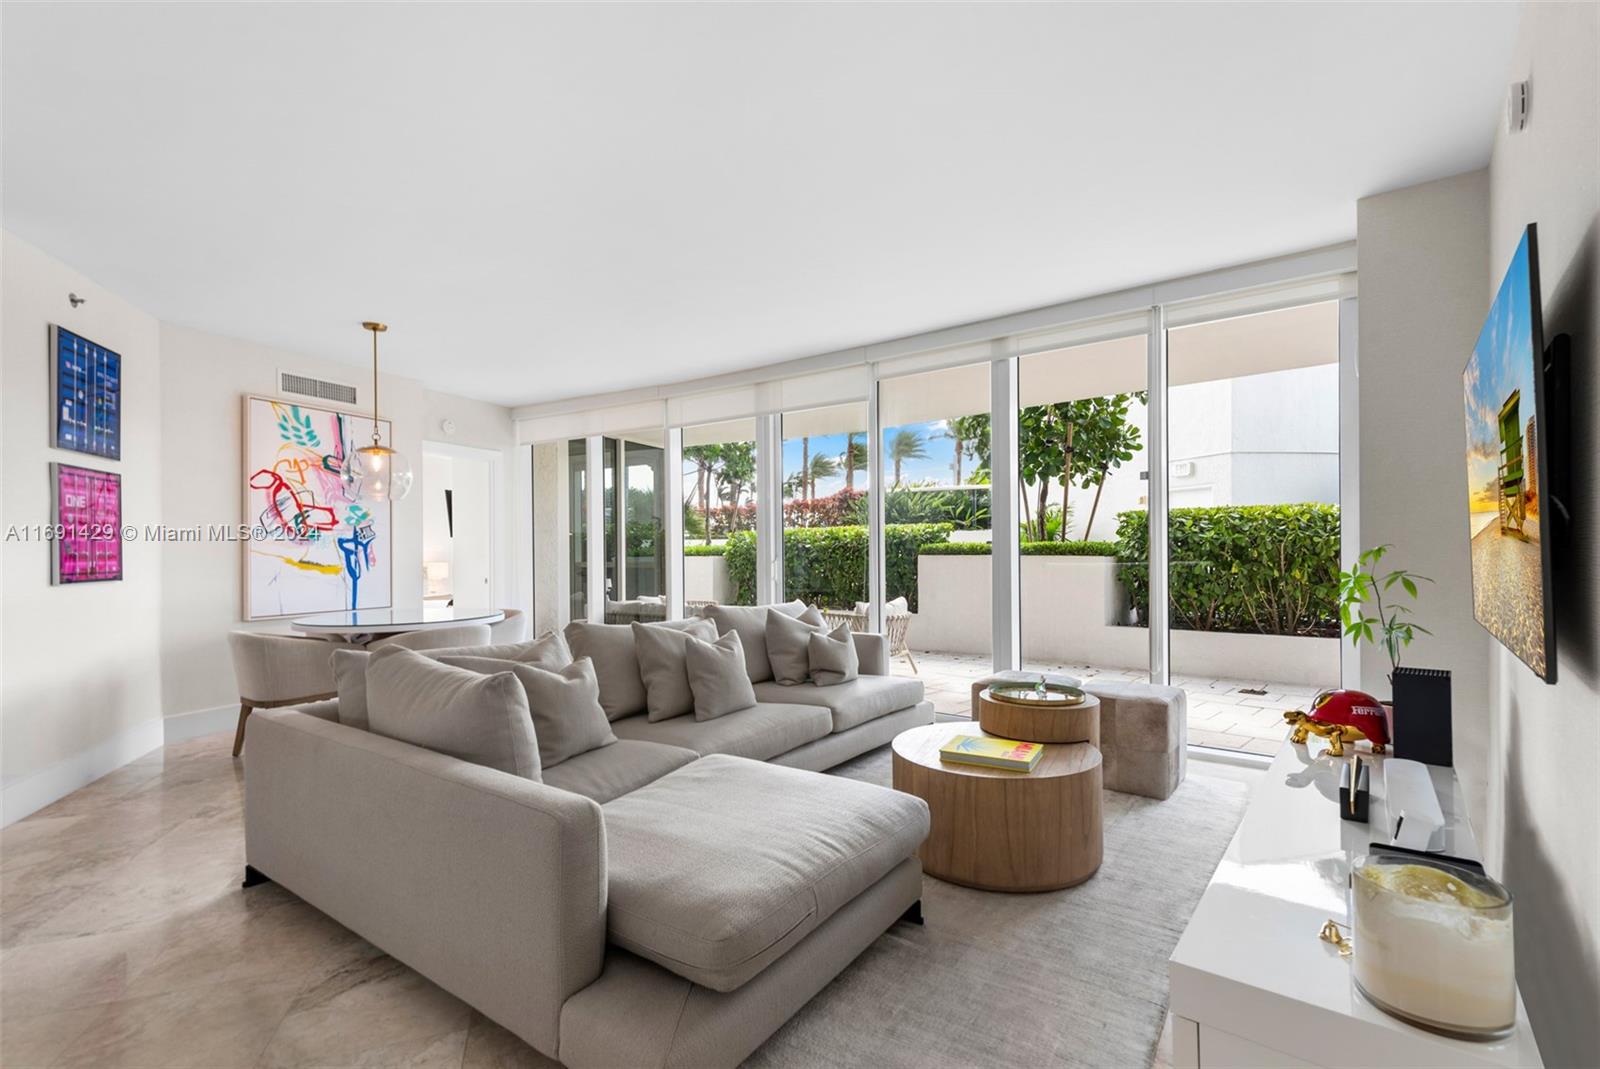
(274, 670)
(436, 638)
(514, 628)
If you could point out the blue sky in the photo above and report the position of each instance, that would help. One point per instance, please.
(1502, 361)
(939, 465)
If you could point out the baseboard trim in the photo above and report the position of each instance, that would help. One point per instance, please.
(200, 722)
(33, 793)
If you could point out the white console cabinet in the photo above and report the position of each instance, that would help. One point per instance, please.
(1251, 983)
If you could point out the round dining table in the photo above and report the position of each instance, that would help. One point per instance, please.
(356, 625)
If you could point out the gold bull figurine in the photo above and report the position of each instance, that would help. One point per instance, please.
(1336, 734)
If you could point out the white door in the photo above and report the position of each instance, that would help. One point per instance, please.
(472, 547)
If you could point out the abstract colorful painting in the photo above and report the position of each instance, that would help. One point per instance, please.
(87, 509)
(312, 548)
(86, 393)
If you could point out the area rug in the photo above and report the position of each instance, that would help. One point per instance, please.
(1068, 978)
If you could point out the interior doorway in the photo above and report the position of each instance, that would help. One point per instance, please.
(460, 487)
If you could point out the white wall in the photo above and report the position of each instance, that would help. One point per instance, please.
(1423, 264)
(1542, 788)
(80, 683)
(89, 672)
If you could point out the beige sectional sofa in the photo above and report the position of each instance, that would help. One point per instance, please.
(668, 899)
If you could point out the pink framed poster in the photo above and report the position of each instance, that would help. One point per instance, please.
(87, 507)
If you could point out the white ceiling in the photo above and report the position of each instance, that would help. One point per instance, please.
(546, 201)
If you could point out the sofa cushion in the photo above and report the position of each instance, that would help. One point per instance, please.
(548, 651)
(751, 623)
(717, 869)
(350, 682)
(863, 698)
(833, 657)
(567, 718)
(760, 732)
(481, 719)
(663, 665)
(716, 675)
(786, 644)
(616, 662)
(614, 770)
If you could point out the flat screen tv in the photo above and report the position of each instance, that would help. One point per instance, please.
(1508, 468)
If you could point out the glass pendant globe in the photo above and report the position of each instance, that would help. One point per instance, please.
(376, 473)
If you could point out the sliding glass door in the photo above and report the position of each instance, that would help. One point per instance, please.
(719, 514)
(1082, 488)
(1254, 519)
(635, 540)
(825, 493)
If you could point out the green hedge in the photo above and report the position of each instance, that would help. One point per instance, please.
(1259, 569)
(828, 565)
(702, 550)
(1029, 549)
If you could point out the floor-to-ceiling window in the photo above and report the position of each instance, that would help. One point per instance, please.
(1082, 484)
(635, 526)
(719, 513)
(577, 549)
(935, 454)
(825, 533)
(1253, 527)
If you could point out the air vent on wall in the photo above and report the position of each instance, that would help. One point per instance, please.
(339, 392)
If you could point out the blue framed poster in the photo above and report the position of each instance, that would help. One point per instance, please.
(86, 392)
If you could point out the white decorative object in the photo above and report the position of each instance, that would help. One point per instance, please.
(1433, 944)
(1415, 819)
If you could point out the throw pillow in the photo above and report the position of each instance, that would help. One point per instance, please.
(350, 681)
(893, 607)
(786, 644)
(664, 665)
(717, 676)
(833, 657)
(616, 662)
(567, 718)
(751, 623)
(477, 718)
(549, 650)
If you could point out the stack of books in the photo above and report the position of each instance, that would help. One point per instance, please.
(992, 752)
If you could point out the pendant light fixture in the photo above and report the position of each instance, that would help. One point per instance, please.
(375, 472)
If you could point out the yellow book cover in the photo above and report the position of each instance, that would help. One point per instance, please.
(992, 752)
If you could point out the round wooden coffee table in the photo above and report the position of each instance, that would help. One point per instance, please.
(1004, 831)
(1040, 722)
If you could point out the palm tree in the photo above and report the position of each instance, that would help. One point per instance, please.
(906, 444)
(855, 456)
(805, 466)
(821, 467)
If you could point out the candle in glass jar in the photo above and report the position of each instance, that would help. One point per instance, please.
(1433, 944)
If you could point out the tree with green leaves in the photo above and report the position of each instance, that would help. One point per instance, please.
(971, 435)
(1079, 441)
(854, 456)
(905, 444)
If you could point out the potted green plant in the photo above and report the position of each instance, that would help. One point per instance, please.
(1419, 711)
(1361, 588)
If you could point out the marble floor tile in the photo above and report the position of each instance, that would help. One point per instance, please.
(491, 1047)
(38, 1041)
(217, 1027)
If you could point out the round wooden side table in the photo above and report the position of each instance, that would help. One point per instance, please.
(1004, 831)
(1041, 722)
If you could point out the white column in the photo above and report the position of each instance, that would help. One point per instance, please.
(594, 527)
(1156, 514)
(769, 510)
(672, 490)
(1006, 550)
(875, 567)
(1349, 465)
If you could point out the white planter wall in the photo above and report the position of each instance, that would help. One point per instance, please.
(1071, 613)
(706, 579)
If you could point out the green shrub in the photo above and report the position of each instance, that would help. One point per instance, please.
(691, 550)
(828, 565)
(1258, 569)
(1029, 549)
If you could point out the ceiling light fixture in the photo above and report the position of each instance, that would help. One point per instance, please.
(376, 472)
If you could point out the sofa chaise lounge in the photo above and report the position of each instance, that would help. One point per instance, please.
(668, 899)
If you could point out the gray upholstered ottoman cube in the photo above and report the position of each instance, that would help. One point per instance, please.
(1143, 731)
